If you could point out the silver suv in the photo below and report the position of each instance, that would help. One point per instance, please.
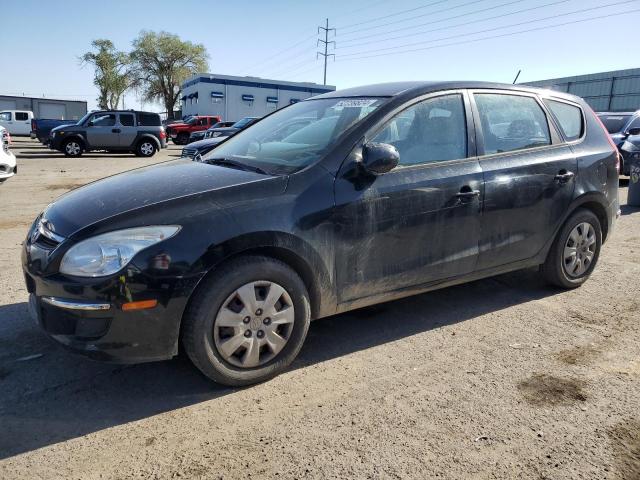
(113, 130)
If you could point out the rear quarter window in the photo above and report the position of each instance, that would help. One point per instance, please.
(149, 119)
(569, 117)
(22, 116)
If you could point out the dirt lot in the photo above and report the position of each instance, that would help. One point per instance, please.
(501, 378)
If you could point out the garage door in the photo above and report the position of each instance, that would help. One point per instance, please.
(51, 110)
(7, 104)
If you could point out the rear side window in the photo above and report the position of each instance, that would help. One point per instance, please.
(149, 119)
(126, 119)
(433, 130)
(569, 117)
(22, 116)
(511, 122)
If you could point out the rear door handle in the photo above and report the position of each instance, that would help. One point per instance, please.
(115, 130)
(563, 176)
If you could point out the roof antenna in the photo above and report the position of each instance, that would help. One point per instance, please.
(516, 79)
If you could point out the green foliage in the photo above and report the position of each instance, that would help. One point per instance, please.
(161, 62)
(111, 72)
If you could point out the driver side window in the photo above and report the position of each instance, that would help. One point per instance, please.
(433, 130)
(103, 120)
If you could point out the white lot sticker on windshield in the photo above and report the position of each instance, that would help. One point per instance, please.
(355, 103)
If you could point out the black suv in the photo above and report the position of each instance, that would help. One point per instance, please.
(387, 191)
(113, 130)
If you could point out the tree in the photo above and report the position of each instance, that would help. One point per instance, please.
(161, 62)
(111, 72)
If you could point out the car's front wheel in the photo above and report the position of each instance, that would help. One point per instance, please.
(72, 148)
(182, 139)
(575, 251)
(146, 148)
(247, 322)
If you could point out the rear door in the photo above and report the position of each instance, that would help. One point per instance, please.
(102, 131)
(528, 175)
(22, 122)
(420, 222)
(128, 130)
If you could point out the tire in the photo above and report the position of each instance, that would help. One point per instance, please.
(561, 270)
(182, 139)
(146, 148)
(72, 148)
(217, 300)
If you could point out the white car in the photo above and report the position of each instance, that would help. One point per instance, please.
(17, 122)
(8, 167)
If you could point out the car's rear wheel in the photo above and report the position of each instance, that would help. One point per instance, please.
(247, 322)
(146, 148)
(575, 251)
(72, 148)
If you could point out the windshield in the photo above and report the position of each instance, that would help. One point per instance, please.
(614, 123)
(296, 136)
(84, 119)
(191, 121)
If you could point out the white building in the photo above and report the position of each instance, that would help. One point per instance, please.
(236, 97)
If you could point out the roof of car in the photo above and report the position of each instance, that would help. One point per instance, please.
(619, 113)
(397, 88)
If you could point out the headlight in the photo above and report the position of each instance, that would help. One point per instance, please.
(107, 253)
(216, 134)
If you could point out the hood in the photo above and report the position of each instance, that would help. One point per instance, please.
(207, 142)
(138, 189)
(176, 125)
(224, 129)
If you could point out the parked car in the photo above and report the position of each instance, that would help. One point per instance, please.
(234, 255)
(624, 128)
(228, 131)
(196, 150)
(41, 127)
(17, 122)
(179, 132)
(115, 130)
(8, 167)
(200, 135)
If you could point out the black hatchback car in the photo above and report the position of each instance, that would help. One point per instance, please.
(390, 190)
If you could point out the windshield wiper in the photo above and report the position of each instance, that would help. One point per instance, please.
(233, 163)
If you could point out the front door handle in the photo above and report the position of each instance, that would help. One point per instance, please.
(563, 176)
(465, 194)
(115, 130)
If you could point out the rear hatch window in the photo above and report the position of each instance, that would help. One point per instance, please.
(149, 119)
(614, 123)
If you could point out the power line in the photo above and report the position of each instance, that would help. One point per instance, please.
(414, 17)
(446, 27)
(492, 29)
(264, 60)
(392, 14)
(490, 37)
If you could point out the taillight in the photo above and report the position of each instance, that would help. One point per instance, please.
(610, 140)
(33, 125)
(163, 134)
(8, 138)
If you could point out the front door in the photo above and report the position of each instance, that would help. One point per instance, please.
(528, 174)
(128, 131)
(420, 222)
(102, 131)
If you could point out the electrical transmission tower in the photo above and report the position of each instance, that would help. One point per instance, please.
(326, 43)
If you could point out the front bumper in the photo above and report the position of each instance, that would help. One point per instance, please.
(8, 167)
(86, 315)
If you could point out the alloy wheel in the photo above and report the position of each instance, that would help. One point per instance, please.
(72, 148)
(579, 250)
(146, 149)
(254, 324)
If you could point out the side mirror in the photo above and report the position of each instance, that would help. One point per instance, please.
(378, 158)
(634, 131)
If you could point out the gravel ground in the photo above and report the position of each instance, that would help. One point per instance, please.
(500, 378)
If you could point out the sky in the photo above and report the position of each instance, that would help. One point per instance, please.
(375, 40)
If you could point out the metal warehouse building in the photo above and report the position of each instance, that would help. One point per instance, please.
(45, 107)
(616, 91)
(236, 97)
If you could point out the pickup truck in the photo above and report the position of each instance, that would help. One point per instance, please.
(179, 132)
(41, 127)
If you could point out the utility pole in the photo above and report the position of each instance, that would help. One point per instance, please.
(326, 43)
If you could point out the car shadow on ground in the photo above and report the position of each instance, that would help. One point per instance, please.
(75, 397)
